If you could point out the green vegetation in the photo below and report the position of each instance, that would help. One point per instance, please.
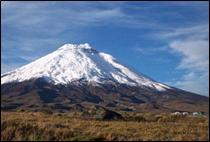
(37, 126)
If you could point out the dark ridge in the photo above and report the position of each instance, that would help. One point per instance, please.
(36, 94)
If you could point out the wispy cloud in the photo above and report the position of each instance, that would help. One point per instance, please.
(194, 51)
(46, 15)
(192, 32)
(151, 50)
(195, 82)
(191, 46)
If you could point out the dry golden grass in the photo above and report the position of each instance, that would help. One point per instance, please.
(38, 126)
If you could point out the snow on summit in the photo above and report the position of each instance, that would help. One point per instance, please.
(73, 62)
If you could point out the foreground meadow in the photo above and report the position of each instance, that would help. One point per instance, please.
(36, 126)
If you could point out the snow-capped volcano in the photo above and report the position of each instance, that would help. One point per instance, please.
(75, 77)
(73, 62)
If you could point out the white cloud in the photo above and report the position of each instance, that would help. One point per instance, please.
(43, 15)
(194, 51)
(198, 31)
(195, 54)
(150, 50)
(195, 82)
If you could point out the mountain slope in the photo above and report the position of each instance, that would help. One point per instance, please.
(77, 76)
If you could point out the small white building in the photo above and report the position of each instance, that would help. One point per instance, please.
(185, 113)
(195, 113)
(176, 113)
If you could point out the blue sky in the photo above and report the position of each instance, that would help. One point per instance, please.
(167, 41)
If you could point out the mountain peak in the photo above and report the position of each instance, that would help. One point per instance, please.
(75, 46)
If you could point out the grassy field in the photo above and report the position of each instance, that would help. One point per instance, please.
(37, 126)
